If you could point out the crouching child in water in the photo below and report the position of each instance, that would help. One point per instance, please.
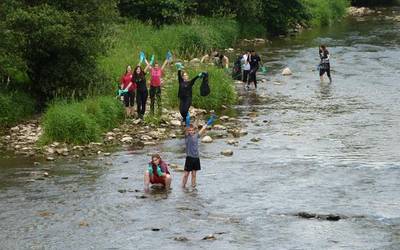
(157, 173)
(192, 163)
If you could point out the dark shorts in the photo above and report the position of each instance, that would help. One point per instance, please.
(192, 164)
(129, 99)
(324, 68)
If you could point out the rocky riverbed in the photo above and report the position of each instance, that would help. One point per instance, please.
(23, 140)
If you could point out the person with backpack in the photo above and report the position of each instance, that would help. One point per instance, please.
(185, 90)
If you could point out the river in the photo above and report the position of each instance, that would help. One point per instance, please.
(324, 149)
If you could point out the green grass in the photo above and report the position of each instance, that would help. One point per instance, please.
(221, 85)
(326, 12)
(81, 122)
(15, 107)
(183, 40)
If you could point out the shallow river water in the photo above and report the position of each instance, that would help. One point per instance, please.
(324, 149)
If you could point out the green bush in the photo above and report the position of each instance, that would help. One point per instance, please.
(105, 111)
(222, 90)
(53, 44)
(15, 107)
(81, 122)
(185, 41)
(325, 12)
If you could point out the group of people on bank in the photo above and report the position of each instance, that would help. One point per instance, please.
(134, 84)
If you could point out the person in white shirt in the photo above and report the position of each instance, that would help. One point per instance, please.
(245, 67)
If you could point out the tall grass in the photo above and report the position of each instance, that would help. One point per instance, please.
(221, 85)
(81, 122)
(183, 40)
(325, 12)
(15, 106)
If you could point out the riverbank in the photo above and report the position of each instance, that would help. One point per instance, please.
(22, 140)
(186, 41)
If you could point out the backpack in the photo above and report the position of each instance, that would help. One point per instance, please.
(204, 87)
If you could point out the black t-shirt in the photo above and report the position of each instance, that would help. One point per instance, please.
(140, 83)
(254, 61)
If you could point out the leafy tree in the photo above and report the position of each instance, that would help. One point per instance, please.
(54, 44)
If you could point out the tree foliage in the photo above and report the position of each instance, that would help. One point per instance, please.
(53, 44)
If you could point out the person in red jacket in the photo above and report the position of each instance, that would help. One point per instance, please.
(130, 87)
(157, 173)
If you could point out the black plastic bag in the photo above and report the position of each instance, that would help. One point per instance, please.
(204, 87)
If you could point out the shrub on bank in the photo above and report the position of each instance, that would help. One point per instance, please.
(81, 122)
(184, 40)
(325, 12)
(221, 85)
(15, 107)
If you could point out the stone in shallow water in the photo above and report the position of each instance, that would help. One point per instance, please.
(210, 237)
(181, 238)
(227, 152)
(207, 139)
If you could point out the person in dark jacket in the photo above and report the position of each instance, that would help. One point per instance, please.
(139, 78)
(254, 61)
(185, 91)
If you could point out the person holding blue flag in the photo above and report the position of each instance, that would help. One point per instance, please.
(192, 163)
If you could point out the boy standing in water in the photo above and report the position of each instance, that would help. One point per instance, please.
(192, 163)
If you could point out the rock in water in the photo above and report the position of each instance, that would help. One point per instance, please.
(287, 72)
(207, 139)
(227, 152)
(255, 139)
(210, 237)
(181, 238)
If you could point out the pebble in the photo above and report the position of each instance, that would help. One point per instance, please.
(207, 139)
(227, 152)
(181, 238)
(50, 158)
(255, 139)
(286, 71)
(210, 237)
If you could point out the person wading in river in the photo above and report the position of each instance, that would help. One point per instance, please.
(324, 65)
(157, 173)
(192, 163)
(254, 61)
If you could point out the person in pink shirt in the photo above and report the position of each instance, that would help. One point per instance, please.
(156, 82)
(128, 85)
